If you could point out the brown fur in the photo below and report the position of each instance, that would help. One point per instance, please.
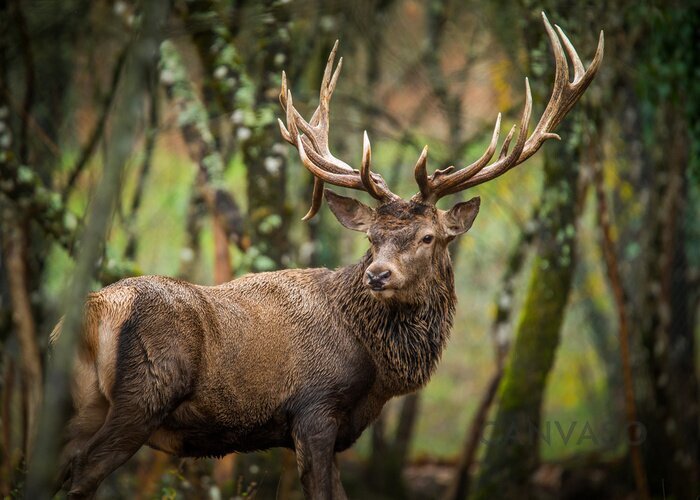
(303, 359)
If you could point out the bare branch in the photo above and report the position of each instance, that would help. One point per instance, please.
(94, 138)
(613, 271)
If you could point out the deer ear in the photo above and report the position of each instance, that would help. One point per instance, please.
(460, 218)
(349, 212)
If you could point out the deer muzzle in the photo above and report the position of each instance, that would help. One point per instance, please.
(377, 281)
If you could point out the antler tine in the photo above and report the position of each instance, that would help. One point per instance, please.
(420, 172)
(579, 70)
(283, 101)
(328, 82)
(561, 67)
(522, 135)
(285, 133)
(488, 154)
(291, 119)
(294, 119)
(316, 199)
(564, 95)
(365, 172)
(311, 140)
(283, 91)
(506, 143)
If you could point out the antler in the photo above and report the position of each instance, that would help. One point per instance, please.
(564, 96)
(312, 144)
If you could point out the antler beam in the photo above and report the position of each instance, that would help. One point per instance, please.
(311, 139)
(564, 96)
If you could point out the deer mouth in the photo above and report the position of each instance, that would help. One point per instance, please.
(383, 292)
(379, 286)
(384, 288)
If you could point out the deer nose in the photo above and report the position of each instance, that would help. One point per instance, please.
(378, 280)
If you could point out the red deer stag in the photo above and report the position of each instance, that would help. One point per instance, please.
(303, 359)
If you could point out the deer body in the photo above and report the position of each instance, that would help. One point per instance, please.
(303, 359)
(240, 373)
(251, 364)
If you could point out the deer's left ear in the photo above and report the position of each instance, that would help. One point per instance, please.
(460, 218)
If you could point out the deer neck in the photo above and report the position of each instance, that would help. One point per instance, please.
(405, 340)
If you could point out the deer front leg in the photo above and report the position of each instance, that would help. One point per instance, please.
(314, 443)
(338, 490)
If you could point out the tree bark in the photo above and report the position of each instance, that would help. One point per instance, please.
(613, 271)
(509, 460)
(15, 239)
(263, 151)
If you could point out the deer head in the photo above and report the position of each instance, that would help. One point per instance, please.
(409, 237)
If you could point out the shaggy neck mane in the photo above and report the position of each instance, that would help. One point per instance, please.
(404, 339)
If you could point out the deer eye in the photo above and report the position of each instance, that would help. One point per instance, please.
(428, 238)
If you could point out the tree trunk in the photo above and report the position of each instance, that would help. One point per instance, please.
(123, 134)
(15, 240)
(669, 411)
(613, 271)
(263, 152)
(509, 460)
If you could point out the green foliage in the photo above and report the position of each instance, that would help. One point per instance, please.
(669, 68)
(668, 82)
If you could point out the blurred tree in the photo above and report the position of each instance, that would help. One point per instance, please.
(194, 125)
(123, 136)
(663, 100)
(263, 151)
(27, 161)
(509, 460)
(226, 85)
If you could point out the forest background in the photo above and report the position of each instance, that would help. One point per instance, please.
(141, 138)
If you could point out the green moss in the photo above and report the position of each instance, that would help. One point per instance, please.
(512, 450)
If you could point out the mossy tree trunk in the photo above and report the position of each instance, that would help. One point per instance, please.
(511, 455)
(263, 148)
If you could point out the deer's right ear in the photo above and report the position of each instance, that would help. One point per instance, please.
(349, 212)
